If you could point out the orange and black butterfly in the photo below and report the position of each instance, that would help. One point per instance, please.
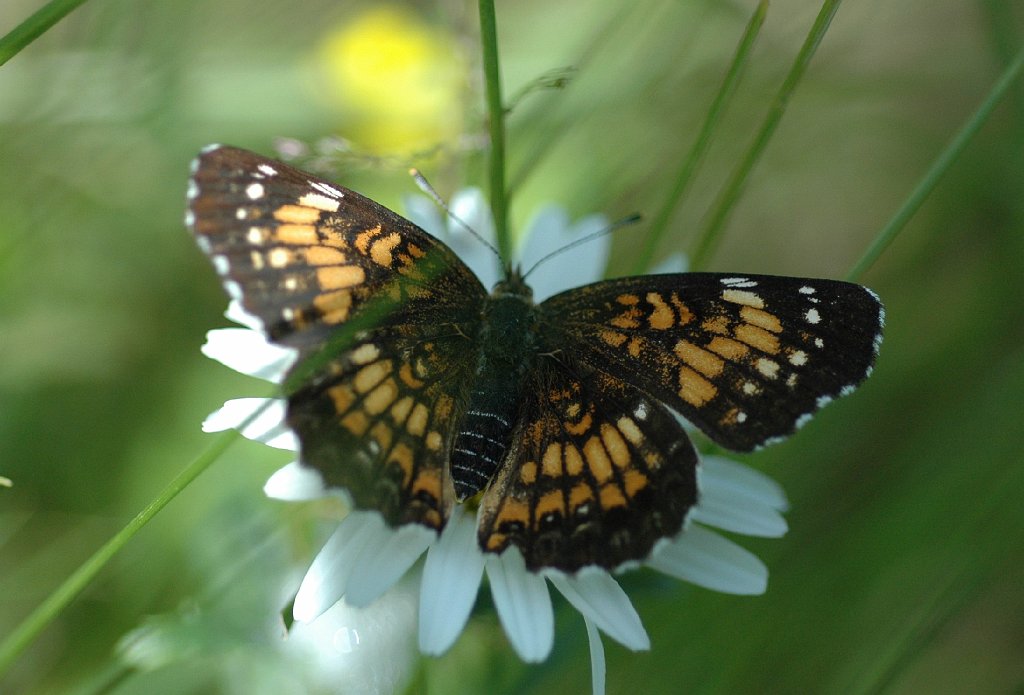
(416, 388)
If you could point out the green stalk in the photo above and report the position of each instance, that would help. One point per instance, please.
(24, 634)
(34, 27)
(496, 123)
(700, 146)
(942, 164)
(726, 200)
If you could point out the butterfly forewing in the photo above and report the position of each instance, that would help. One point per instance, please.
(747, 359)
(598, 473)
(304, 256)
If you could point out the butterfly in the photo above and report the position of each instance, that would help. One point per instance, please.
(416, 388)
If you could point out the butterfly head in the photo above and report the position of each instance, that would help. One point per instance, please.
(513, 285)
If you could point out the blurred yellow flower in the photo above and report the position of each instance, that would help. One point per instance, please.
(396, 80)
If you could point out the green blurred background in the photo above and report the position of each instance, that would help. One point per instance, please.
(903, 570)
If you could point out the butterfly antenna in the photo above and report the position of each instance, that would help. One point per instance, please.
(632, 219)
(425, 186)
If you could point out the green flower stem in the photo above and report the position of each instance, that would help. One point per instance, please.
(51, 607)
(700, 146)
(496, 123)
(34, 27)
(939, 167)
(726, 200)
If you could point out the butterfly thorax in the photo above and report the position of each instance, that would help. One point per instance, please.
(507, 352)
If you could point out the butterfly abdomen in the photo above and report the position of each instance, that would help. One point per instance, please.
(506, 354)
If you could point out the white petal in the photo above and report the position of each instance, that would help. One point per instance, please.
(470, 206)
(451, 580)
(248, 352)
(523, 603)
(727, 477)
(597, 666)
(327, 578)
(268, 427)
(718, 507)
(551, 230)
(351, 650)
(381, 563)
(295, 483)
(709, 560)
(424, 213)
(599, 598)
(238, 313)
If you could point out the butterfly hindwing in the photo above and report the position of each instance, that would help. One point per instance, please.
(747, 359)
(597, 474)
(379, 421)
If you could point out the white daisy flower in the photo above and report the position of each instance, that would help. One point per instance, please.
(365, 558)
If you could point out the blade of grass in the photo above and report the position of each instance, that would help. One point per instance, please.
(496, 125)
(708, 239)
(685, 175)
(34, 27)
(30, 628)
(938, 168)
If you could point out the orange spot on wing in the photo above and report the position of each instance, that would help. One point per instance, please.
(296, 214)
(342, 396)
(580, 494)
(728, 348)
(549, 503)
(324, 255)
(695, 389)
(611, 496)
(718, 324)
(551, 463)
(363, 239)
(578, 428)
(761, 319)
(757, 338)
(417, 423)
(706, 363)
(661, 316)
(743, 297)
(400, 410)
(634, 481)
(296, 234)
(381, 397)
(334, 306)
(381, 249)
(428, 481)
(573, 460)
(340, 277)
(597, 460)
(382, 434)
(512, 511)
(405, 373)
(613, 338)
(683, 311)
(615, 445)
(356, 423)
(371, 375)
(630, 431)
